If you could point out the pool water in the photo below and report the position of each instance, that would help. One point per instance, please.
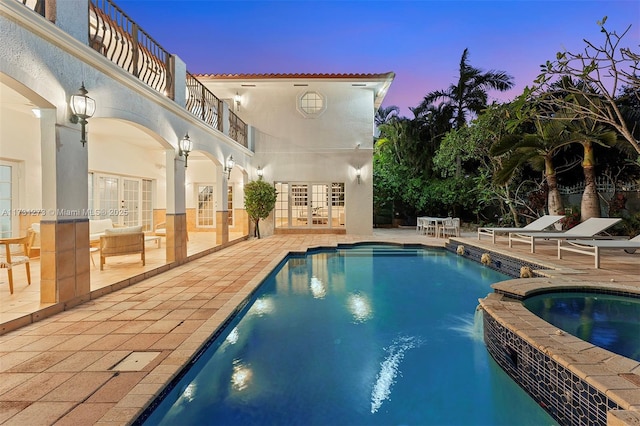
(369, 335)
(609, 321)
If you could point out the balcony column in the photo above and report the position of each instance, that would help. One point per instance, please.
(222, 208)
(176, 217)
(64, 229)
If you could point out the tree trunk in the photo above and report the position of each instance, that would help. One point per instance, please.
(256, 231)
(514, 213)
(554, 201)
(590, 203)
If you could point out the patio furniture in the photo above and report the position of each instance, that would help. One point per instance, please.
(451, 226)
(34, 246)
(160, 229)
(9, 258)
(122, 241)
(154, 238)
(593, 247)
(587, 229)
(538, 225)
(97, 228)
(426, 225)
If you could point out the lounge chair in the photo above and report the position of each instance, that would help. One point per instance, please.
(587, 229)
(592, 247)
(538, 225)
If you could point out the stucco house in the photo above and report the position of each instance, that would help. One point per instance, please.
(62, 171)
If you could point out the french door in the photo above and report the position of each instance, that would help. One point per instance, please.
(125, 200)
(315, 205)
(8, 199)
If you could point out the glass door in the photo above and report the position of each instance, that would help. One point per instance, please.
(206, 212)
(320, 210)
(299, 204)
(8, 199)
(130, 213)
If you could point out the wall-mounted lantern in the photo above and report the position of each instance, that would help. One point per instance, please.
(184, 148)
(82, 107)
(236, 98)
(229, 165)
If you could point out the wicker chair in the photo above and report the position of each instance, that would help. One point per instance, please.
(9, 259)
(122, 241)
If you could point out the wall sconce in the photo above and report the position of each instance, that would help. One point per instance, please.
(236, 98)
(82, 107)
(229, 165)
(184, 148)
(358, 175)
(260, 172)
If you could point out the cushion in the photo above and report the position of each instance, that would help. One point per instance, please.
(98, 226)
(123, 230)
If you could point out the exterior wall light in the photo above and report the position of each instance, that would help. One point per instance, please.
(236, 98)
(358, 175)
(83, 107)
(260, 172)
(184, 148)
(229, 165)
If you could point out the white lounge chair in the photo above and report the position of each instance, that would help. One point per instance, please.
(587, 229)
(538, 225)
(592, 247)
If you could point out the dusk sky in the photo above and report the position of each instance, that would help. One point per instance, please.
(421, 41)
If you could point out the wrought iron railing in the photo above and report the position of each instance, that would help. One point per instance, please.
(203, 104)
(117, 37)
(237, 129)
(36, 5)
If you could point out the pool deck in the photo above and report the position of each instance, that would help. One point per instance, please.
(103, 361)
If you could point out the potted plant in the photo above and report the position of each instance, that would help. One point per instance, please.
(259, 201)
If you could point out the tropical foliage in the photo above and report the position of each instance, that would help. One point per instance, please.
(504, 162)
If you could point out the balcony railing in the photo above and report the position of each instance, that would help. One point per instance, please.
(117, 37)
(36, 5)
(237, 129)
(203, 104)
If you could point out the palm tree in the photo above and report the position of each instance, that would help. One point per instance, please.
(537, 149)
(587, 133)
(384, 115)
(469, 95)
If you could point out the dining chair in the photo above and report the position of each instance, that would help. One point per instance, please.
(10, 257)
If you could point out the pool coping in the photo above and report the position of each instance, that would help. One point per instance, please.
(504, 311)
(238, 282)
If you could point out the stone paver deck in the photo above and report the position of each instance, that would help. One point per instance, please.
(65, 368)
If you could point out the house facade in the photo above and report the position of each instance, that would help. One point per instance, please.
(311, 135)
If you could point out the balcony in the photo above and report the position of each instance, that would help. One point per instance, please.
(117, 37)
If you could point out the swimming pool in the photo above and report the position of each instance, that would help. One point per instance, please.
(363, 335)
(609, 321)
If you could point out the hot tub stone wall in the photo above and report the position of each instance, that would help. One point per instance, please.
(565, 396)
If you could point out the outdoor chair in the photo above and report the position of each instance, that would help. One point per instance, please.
(587, 229)
(538, 225)
(160, 229)
(122, 241)
(426, 225)
(593, 247)
(10, 258)
(451, 226)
